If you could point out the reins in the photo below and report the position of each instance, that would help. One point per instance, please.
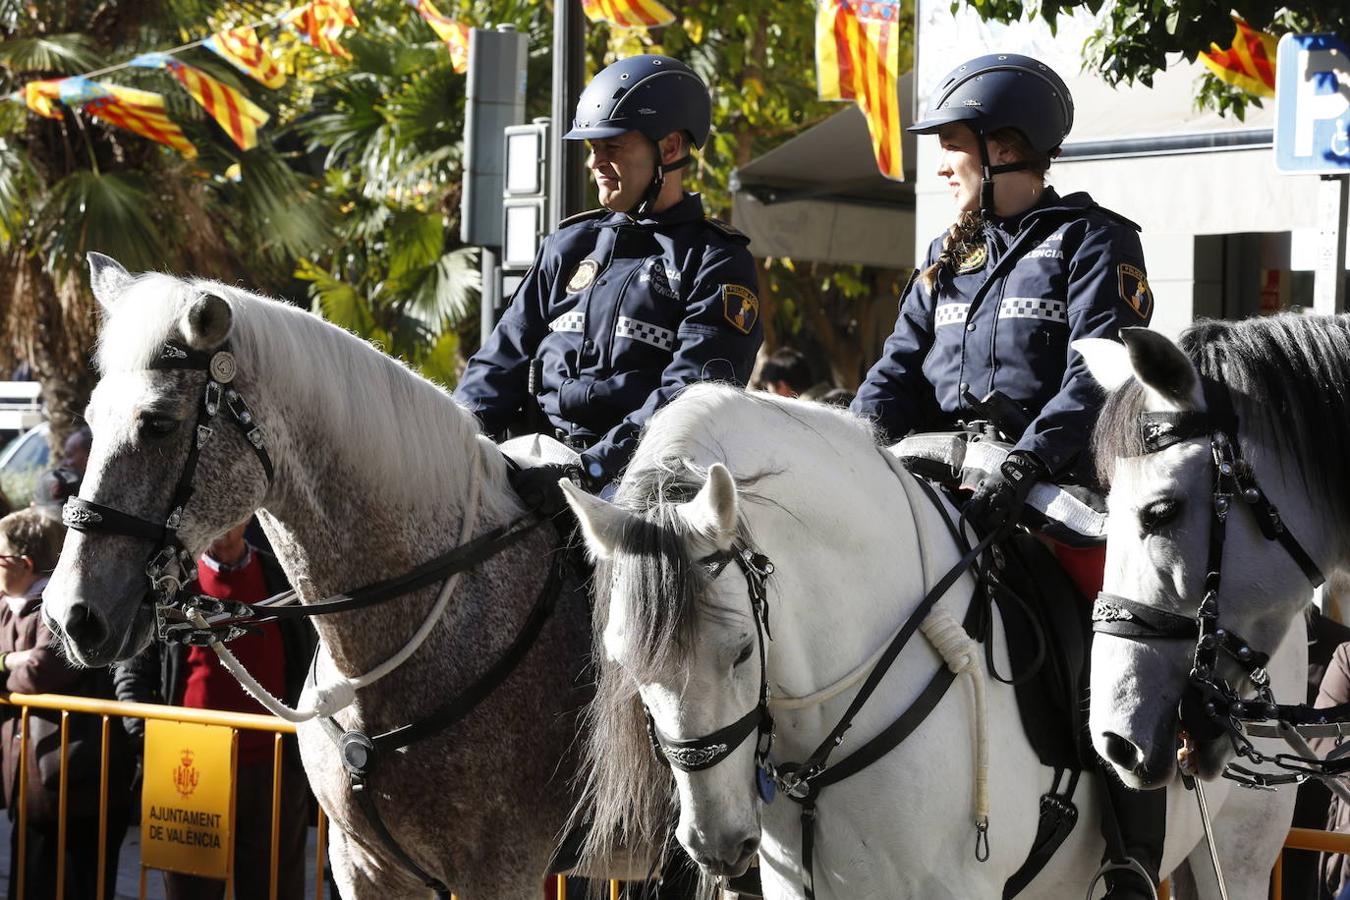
(201, 620)
(803, 782)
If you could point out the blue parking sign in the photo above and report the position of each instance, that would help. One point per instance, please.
(1312, 105)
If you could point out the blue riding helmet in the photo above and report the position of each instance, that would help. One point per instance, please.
(655, 95)
(1004, 90)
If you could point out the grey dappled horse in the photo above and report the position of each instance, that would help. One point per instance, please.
(374, 467)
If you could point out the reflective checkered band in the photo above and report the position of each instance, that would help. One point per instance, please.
(648, 334)
(951, 314)
(572, 321)
(1032, 308)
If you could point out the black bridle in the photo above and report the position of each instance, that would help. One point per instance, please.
(803, 782)
(695, 754)
(170, 567)
(1210, 707)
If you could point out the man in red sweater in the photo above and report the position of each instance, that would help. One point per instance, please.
(278, 657)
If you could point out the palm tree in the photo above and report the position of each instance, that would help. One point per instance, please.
(73, 185)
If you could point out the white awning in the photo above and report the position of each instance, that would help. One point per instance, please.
(819, 197)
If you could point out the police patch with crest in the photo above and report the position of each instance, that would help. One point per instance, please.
(974, 259)
(740, 306)
(1134, 289)
(582, 276)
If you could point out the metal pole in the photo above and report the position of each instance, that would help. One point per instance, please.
(1333, 202)
(490, 302)
(567, 188)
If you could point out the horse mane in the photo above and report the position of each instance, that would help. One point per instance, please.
(626, 789)
(1289, 376)
(393, 421)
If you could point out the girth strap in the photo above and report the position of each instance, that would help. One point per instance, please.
(813, 776)
(360, 752)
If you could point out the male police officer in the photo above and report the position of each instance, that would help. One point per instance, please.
(627, 304)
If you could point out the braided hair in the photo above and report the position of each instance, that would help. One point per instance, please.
(967, 232)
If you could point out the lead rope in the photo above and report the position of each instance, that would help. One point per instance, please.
(337, 695)
(960, 651)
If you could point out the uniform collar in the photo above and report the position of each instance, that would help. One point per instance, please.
(1050, 201)
(688, 209)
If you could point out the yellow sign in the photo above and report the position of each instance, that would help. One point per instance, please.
(187, 802)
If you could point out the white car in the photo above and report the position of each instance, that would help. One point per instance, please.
(21, 462)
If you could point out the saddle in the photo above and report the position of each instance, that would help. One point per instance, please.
(1045, 618)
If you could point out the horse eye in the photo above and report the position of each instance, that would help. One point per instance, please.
(1159, 514)
(157, 426)
(743, 655)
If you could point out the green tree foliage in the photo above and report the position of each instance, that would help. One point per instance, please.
(350, 203)
(1136, 37)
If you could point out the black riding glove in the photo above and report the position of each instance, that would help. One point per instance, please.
(998, 500)
(538, 486)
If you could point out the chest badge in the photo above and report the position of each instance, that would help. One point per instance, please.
(740, 306)
(1134, 290)
(974, 259)
(583, 276)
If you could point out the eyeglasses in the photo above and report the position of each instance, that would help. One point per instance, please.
(7, 559)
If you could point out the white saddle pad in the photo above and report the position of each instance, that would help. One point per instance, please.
(530, 450)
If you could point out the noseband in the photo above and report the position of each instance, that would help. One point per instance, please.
(1210, 707)
(705, 752)
(170, 567)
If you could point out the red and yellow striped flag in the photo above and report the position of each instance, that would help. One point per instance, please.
(234, 112)
(1248, 64)
(39, 96)
(140, 111)
(858, 58)
(320, 22)
(241, 48)
(454, 34)
(628, 13)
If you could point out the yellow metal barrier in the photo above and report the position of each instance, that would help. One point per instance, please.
(107, 709)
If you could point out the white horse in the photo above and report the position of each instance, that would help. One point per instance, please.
(854, 546)
(1289, 382)
(375, 470)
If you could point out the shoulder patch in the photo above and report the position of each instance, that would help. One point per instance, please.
(582, 217)
(1134, 289)
(725, 229)
(740, 306)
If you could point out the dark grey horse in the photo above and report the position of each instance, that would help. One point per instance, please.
(374, 470)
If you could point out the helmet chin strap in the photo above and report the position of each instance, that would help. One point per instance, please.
(988, 172)
(648, 198)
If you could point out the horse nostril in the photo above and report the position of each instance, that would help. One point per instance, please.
(749, 847)
(83, 627)
(1122, 752)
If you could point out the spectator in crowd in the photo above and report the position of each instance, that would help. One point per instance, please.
(5, 505)
(787, 373)
(75, 451)
(53, 488)
(1335, 690)
(30, 663)
(278, 655)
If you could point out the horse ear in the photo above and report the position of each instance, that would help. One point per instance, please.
(712, 513)
(207, 322)
(602, 523)
(108, 279)
(1164, 371)
(1107, 361)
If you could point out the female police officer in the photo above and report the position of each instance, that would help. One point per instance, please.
(1021, 274)
(626, 304)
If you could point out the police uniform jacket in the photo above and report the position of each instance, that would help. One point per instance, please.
(1065, 269)
(622, 313)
